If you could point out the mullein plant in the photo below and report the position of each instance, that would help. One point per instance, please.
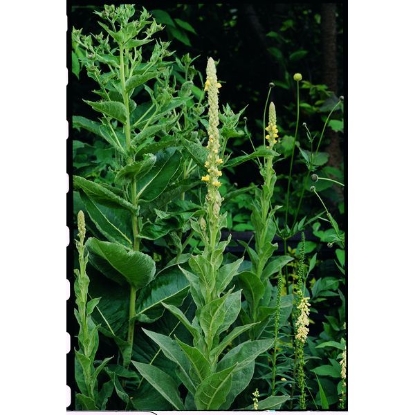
(301, 323)
(213, 371)
(263, 299)
(86, 374)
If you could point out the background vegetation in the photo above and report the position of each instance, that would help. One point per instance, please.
(255, 45)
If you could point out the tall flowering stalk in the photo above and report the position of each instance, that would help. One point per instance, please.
(301, 330)
(213, 161)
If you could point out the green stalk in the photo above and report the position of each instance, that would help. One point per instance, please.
(134, 220)
(292, 153)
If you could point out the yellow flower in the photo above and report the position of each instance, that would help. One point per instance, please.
(272, 129)
(205, 178)
(216, 183)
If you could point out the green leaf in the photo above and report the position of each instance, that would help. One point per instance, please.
(336, 125)
(262, 152)
(212, 392)
(227, 340)
(180, 36)
(226, 273)
(111, 222)
(331, 343)
(76, 67)
(341, 256)
(101, 131)
(173, 352)
(198, 152)
(169, 287)
(113, 109)
(217, 315)
(162, 17)
(151, 131)
(184, 25)
(131, 171)
(158, 178)
(162, 382)
(136, 267)
(327, 370)
(86, 402)
(253, 288)
(183, 319)
(200, 365)
(297, 55)
(101, 194)
(271, 402)
(275, 266)
(241, 378)
(323, 398)
(245, 353)
(137, 80)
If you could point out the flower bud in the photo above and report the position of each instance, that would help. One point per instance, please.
(297, 77)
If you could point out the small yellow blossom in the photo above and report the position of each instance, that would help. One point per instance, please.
(303, 321)
(272, 129)
(216, 183)
(255, 398)
(206, 178)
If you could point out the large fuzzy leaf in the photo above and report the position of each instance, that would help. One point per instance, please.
(200, 365)
(114, 109)
(137, 168)
(152, 185)
(212, 392)
(169, 287)
(245, 353)
(111, 222)
(115, 140)
(101, 194)
(218, 315)
(162, 382)
(253, 288)
(136, 267)
(173, 352)
(226, 273)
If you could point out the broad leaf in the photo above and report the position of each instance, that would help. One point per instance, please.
(271, 402)
(111, 222)
(183, 319)
(136, 267)
(253, 288)
(275, 266)
(237, 331)
(218, 315)
(101, 194)
(173, 352)
(327, 370)
(114, 109)
(170, 287)
(245, 353)
(158, 178)
(200, 365)
(226, 273)
(212, 392)
(130, 171)
(162, 382)
(117, 142)
(137, 80)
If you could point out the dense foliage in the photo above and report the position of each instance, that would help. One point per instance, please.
(209, 249)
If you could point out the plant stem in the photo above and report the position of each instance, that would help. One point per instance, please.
(292, 153)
